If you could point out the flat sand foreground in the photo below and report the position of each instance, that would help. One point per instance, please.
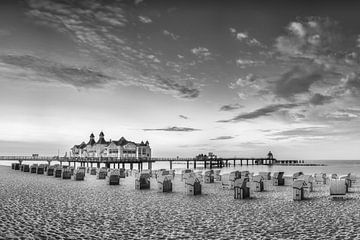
(41, 207)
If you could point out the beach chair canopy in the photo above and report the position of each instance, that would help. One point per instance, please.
(298, 184)
(297, 174)
(240, 182)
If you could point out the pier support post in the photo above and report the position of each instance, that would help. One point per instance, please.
(118, 165)
(187, 164)
(74, 164)
(247, 161)
(69, 163)
(170, 164)
(131, 166)
(241, 162)
(114, 165)
(211, 164)
(149, 165)
(98, 165)
(139, 166)
(123, 165)
(194, 164)
(226, 163)
(205, 164)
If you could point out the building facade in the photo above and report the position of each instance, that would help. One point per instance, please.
(121, 148)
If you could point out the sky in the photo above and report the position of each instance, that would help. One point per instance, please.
(236, 78)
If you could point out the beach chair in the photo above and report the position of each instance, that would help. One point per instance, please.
(143, 181)
(209, 176)
(278, 179)
(93, 171)
(102, 173)
(217, 176)
(193, 185)
(298, 189)
(320, 178)
(338, 187)
(122, 173)
(66, 173)
(79, 174)
(50, 170)
(26, 168)
(309, 180)
(114, 177)
(244, 174)
(40, 169)
(33, 168)
(13, 166)
(58, 172)
(185, 173)
(164, 184)
(17, 166)
(297, 174)
(241, 188)
(257, 184)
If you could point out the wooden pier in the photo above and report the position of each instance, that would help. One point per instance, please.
(120, 162)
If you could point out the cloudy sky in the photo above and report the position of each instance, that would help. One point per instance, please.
(237, 78)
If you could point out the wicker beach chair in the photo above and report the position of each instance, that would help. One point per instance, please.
(58, 172)
(50, 170)
(33, 168)
(102, 173)
(26, 168)
(338, 187)
(185, 173)
(298, 189)
(209, 176)
(40, 169)
(241, 188)
(114, 177)
(79, 174)
(193, 185)
(143, 181)
(66, 173)
(164, 183)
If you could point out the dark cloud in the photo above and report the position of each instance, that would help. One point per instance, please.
(222, 138)
(265, 111)
(353, 82)
(56, 72)
(319, 99)
(297, 80)
(230, 107)
(173, 129)
(183, 117)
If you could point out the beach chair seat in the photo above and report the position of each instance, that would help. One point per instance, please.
(164, 184)
(298, 189)
(193, 185)
(143, 181)
(241, 188)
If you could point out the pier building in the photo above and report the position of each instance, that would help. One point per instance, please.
(121, 148)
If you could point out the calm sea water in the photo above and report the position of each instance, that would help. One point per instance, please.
(341, 167)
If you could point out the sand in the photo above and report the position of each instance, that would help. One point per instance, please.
(42, 207)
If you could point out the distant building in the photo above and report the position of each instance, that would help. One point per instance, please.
(119, 149)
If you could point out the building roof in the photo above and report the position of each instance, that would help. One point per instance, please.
(102, 141)
(91, 142)
(92, 135)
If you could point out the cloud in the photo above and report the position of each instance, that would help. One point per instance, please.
(319, 99)
(242, 36)
(201, 52)
(261, 112)
(96, 29)
(297, 80)
(222, 138)
(183, 117)
(309, 38)
(172, 35)
(4, 33)
(232, 30)
(50, 71)
(184, 90)
(230, 107)
(137, 2)
(144, 19)
(243, 63)
(173, 129)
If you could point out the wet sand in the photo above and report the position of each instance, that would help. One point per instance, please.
(42, 207)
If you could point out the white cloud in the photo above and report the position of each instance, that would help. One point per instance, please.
(232, 30)
(172, 35)
(241, 36)
(297, 28)
(201, 52)
(144, 19)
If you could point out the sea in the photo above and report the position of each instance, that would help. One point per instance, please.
(340, 167)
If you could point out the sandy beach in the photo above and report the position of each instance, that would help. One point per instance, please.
(42, 207)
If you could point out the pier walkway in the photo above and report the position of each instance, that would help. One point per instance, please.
(206, 162)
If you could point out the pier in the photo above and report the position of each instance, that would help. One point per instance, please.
(120, 162)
